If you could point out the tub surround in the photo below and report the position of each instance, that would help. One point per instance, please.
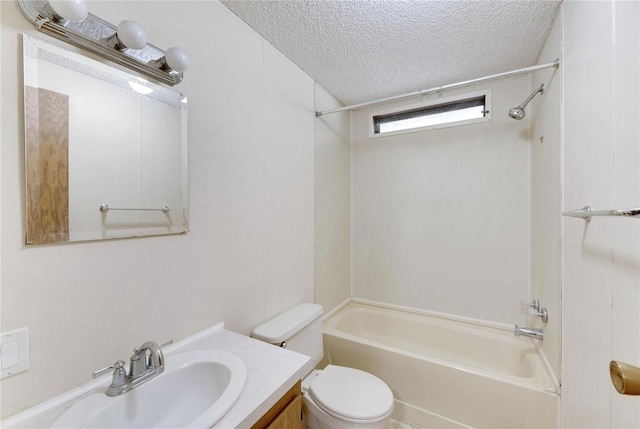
(271, 372)
(419, 238)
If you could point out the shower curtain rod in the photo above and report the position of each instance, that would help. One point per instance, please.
(423, 92)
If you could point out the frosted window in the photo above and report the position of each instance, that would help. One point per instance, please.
(457, 111)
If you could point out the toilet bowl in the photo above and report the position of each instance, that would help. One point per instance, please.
(335, 397)
(344, 398)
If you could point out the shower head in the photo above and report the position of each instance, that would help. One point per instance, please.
(518, 112)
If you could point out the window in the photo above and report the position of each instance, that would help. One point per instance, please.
(465, 109)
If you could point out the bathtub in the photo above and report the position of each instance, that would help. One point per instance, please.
(445, 373)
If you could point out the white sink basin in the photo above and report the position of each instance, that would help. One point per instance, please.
(195, 390)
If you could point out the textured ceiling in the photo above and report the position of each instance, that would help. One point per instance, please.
(361, 50)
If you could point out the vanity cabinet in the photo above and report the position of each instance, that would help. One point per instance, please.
(286, 413)
(290, 417)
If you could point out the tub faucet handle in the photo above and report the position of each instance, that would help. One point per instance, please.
(542, 314)
(535, 304)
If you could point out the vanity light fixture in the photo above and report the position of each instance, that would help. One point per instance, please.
(126, 44)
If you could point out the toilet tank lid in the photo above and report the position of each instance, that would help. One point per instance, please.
(287, 324)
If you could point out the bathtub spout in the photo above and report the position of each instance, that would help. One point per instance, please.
(529, 332)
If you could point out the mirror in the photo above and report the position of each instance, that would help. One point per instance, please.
(106, 151)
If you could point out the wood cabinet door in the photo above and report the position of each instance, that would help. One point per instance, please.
(290, 417)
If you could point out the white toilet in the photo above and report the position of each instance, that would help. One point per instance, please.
(336, 397)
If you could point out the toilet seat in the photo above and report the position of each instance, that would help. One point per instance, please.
(351, 395)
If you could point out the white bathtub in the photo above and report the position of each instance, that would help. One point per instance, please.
(443, 372)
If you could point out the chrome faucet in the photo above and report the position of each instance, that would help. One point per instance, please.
(528, 332)
(142, 367)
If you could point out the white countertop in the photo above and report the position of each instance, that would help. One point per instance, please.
(271, 372)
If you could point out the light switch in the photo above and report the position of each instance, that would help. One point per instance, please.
(10, 354)
(14, 352)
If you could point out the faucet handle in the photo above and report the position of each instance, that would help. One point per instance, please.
(542, 314)
(116, 366)
(535, 304)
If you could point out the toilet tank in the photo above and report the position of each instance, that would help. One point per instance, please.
(299, 328)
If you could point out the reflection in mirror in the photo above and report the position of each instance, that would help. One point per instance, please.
(106, 151)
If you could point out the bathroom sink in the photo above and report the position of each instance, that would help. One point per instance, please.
(195, 390)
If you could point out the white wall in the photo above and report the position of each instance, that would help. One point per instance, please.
(441, 217)
(333, 203)
(250, 251)
(546, 197)
(601, 259)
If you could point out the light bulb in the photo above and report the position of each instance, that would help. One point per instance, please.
(131, 34)
(177, 59)
(71, 10)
